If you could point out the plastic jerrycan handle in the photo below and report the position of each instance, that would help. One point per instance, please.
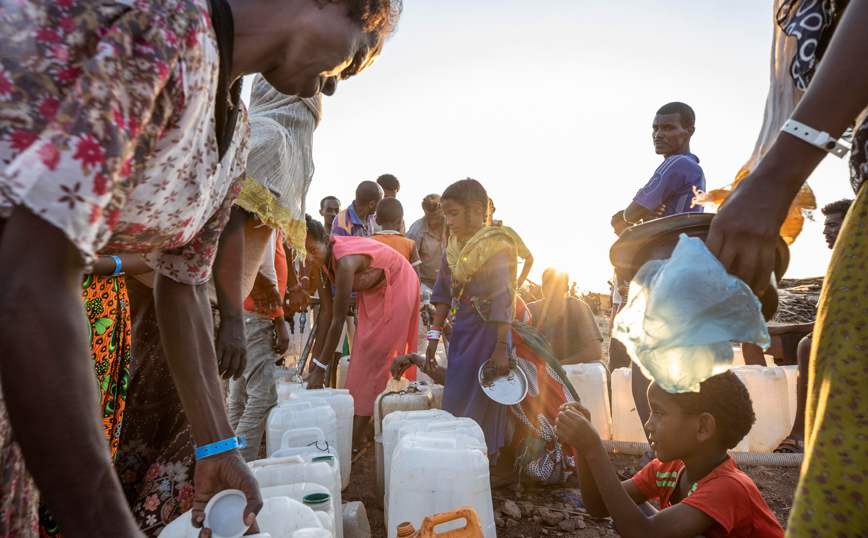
(278, 461)
(320, 436)
(473, 528)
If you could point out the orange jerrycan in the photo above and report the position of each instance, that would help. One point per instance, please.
(473, 528)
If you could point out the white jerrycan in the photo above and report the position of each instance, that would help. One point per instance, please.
(589, 380)
(396, 420)
(626, 425)
(431, 475)
(291, 415)
(285, 388)
(310, 469)
(394, 431)
(768, 393)
(298, 492)
(342, 403)
(279, 517)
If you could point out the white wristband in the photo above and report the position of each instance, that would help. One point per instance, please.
(820, 139)
(321, 365)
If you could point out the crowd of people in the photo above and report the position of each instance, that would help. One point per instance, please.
(157, 225)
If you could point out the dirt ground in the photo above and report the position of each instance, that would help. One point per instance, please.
(777, 485)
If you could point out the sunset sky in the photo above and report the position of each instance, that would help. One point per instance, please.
(549, 104)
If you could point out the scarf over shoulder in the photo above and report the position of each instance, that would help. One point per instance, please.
(467, 257)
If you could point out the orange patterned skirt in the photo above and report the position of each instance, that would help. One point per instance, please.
(107, 305)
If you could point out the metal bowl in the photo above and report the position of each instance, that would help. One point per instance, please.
(508, 389)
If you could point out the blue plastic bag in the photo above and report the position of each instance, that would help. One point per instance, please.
(683, 315)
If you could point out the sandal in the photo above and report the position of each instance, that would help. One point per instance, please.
(791, 446)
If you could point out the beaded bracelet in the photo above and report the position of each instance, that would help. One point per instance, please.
(433, 335)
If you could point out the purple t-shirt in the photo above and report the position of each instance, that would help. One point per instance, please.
(672, 184)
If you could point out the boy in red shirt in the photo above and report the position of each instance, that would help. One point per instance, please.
(701, 490)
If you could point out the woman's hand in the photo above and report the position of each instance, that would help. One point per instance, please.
(577, 431)
(500, 360)
(584, 411)
(745, 232)
(431, 355)
(316, 377)
(220, 472)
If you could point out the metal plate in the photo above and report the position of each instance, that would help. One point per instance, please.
(508, 389)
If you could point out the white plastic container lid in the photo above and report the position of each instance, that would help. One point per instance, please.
(224, 514)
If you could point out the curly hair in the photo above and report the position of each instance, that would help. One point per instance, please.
(467, 192)
(431, 202)
(837, 208)
(389, 181)
(725, 398)
(378, 17)
(315, 229)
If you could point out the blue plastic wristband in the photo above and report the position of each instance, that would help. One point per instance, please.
(220, 446)
(117, 266)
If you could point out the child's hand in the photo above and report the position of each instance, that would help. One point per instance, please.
(572, 426)
(576, 406)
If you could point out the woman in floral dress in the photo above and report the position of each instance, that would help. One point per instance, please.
(121, 131)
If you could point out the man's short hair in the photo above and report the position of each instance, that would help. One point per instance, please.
(431, 202)
(326, 199)
(837, 208)
(389, 182)
(725, 398)
(368, 192)
(686, 116)
(390, 210)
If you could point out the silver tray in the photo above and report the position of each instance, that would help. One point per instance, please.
(508, 389)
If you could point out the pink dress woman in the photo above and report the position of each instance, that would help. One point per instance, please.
(388, 316)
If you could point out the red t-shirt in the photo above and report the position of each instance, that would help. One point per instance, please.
(726, 495)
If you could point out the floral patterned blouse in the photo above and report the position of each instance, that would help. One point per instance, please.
(107, 127)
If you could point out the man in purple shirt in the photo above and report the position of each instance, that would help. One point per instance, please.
(672, 187)
(358, 218)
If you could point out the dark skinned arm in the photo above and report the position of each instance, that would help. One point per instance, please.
(591, 351)
(324, 316)
(231, 345)
(635, 213)
(41, 273)
(744, 232)
(131, 264)
(404, 362)
(345, 270)
(186, 330)
(679, 521)
(441, 310)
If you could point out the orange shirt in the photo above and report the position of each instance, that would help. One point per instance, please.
(726, 495)
(406, 247)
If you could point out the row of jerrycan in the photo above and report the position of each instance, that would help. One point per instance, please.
(433, 462)
(772, 391)
(280, 517)
(319, 419)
